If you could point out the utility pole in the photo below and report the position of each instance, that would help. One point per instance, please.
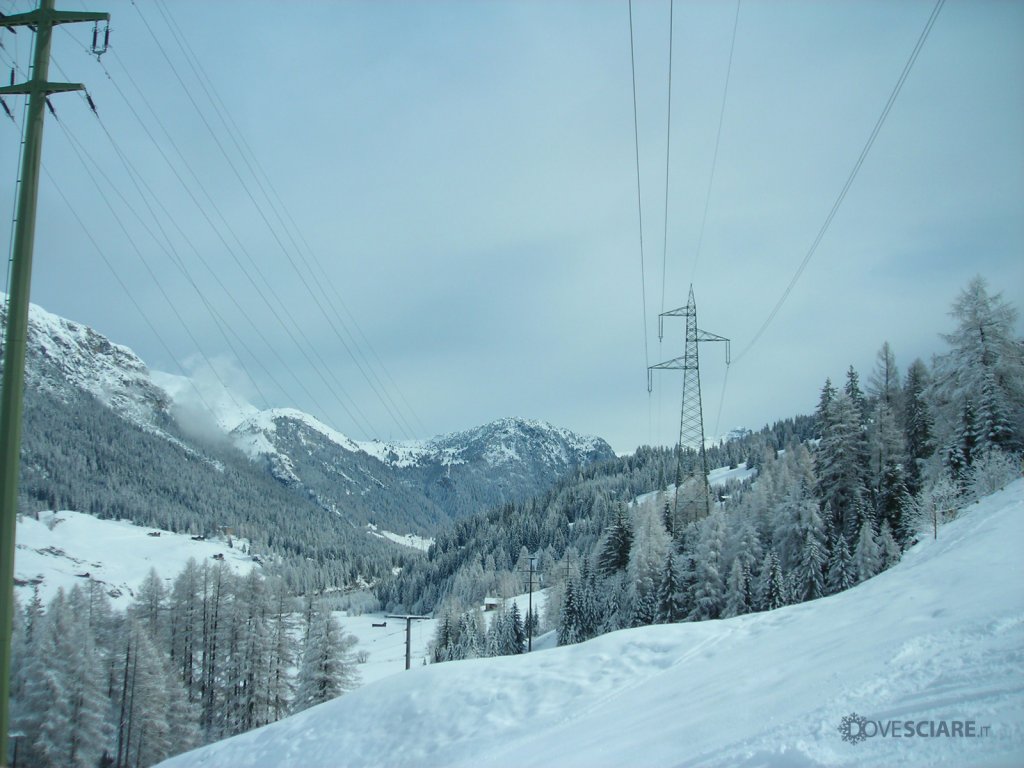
(408, 635)
(691, 418)
(37, 88)
(529, 608)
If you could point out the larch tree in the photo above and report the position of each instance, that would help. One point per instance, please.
(328, 669)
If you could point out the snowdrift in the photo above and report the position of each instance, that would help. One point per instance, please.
(937, 640)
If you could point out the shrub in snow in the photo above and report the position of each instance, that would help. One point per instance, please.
(992, 471)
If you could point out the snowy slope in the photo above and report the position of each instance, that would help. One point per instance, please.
(59, 548)
(938, 638)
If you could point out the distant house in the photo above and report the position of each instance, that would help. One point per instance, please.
(491, 603)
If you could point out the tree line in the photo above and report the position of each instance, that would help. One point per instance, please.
(829, 508)
(213, 655)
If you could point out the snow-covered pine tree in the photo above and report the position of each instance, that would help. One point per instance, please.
(709, 573)
(569, 624)
(842, 467)
(841, 574)
(327, 669)
(516, 632)
(867, 557)
(809, 573)
(856, 394)
(737, 591)
(771, 592)
(918, 426)
(651, 544)
(614, 555)
(670, 607)
(984, 366)
(889, 549)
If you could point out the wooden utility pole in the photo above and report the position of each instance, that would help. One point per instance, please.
(37, 88)
(529, 609)
(408, 635)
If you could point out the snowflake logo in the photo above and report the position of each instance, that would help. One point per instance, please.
(849, 733)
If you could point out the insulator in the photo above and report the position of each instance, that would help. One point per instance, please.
(7, 110)
(106, 38)
(92, 104)
(95, 34)
(12, 75)
(49, 106)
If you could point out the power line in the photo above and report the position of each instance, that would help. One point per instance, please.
(853, 175)
(78, 150)
(639, 205)
(668, 147)
(319, 366)
(142, 313)
(263, 216)
(203, 210)
(718, 138)
(246, 152)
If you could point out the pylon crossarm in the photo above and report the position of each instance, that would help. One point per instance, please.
(53, 16)
(44, 88)
(705, 336)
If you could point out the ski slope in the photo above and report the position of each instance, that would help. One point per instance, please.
(938, 639)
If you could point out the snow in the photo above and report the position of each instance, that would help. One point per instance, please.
(250, 434)
(937, 638)
(57, 549)
(405, 539)
(385, 646)
(723, 475)
(716, 477)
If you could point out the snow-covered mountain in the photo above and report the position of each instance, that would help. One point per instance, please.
(402, 487)
(419, 483)
(62, 355)
(919, 666)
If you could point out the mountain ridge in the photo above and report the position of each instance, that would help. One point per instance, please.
(407, 487)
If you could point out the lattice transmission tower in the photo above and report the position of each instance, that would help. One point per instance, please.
(692, 497)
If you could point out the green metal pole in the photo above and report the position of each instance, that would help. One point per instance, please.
(14, 353)
(42, 21)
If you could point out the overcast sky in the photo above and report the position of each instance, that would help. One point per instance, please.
(463, 180)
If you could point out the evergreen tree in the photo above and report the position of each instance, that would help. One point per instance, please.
(809, 575)
(889, 549)
(709, 574)
(738, 592)
(327, 670)
(618, 543)
(867, 558)
(856, 395)
(516, 642)
(918, 426)
(842, 467)
(569, 623)
(670, 608)
(771, 588)
(841, 575)
(985, 367)
(824, 412)
(884, 384)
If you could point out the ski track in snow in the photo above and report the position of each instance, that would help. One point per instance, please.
(939, 637)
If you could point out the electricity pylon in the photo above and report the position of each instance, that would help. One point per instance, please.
(37, 88)
(696, 504)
